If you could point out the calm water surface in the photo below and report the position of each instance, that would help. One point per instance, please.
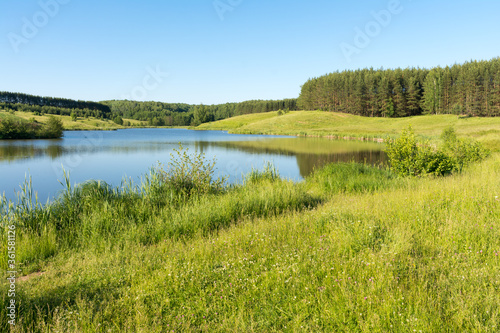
(113, 155)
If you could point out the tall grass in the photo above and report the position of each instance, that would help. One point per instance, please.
(351, 178)
(163, 206)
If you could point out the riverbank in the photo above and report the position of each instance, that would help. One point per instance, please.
(346, 126)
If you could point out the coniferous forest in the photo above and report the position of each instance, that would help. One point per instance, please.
(471, 89)
(52, 105)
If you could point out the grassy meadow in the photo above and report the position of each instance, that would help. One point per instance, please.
(82, 124)
(334, 124)
(353, 248)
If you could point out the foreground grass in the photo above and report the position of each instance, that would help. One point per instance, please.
(318, 123)
(81, 123)
(381, 254)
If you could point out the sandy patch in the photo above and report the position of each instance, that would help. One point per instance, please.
(30, 276)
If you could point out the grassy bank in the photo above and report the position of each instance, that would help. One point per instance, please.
(82, 124)
(353, 248)
(318, 123)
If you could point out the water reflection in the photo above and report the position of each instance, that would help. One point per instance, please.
(112, 155)
(308, 162)
(310, 153)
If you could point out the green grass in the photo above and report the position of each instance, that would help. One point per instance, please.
(81, 123)
(351, 249)
(332, 124)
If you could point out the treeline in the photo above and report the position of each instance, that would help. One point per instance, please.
(206, 113)
(174, 114)
(155, 113)
(19, 98)
(471, 89)
(52, 110)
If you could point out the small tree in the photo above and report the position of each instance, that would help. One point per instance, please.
(54, 128)
(118, 120)
(404, 154)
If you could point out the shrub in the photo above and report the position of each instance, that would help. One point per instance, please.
(436, 162)
(54, 128)
(462, 151)
(405, 157)
(410, 158)
(118, 120)
(191, 174)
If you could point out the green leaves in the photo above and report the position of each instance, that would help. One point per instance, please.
(462, 151)
(12, 128)
(54, 128)
(411, 158)
(404, 154)
(191, 173)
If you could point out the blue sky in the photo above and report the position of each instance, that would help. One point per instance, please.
(241, 50)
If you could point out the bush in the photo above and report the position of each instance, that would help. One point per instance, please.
(405, 156)
(20, 129)
(118, 120)
(191, 174)
(462, 151)
(410, 158)
(436, 162)
(12, 129)
(54, 128)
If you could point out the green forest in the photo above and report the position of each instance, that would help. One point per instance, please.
(177, 114)
(155, 113)
(50, 105)
(471, 89)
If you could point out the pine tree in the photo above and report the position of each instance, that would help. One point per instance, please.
(432, 93)
(413, 99)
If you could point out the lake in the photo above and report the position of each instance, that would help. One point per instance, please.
(113, 155)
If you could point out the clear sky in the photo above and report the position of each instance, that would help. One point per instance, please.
(206, 51)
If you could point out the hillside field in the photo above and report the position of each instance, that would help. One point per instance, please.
(319, 123)
(81, 123)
